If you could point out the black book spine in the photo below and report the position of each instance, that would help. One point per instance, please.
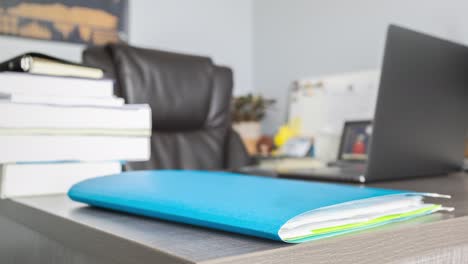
(13, 64)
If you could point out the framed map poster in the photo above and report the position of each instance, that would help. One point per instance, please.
(78, 21)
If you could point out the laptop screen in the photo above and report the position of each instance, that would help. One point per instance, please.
(355, 141)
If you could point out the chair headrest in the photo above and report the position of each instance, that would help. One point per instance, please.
(178, 87)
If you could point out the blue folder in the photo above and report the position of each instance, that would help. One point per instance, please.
(250, 205)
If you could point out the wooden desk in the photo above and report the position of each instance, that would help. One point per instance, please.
(53, 229)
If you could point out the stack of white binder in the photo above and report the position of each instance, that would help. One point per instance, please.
(56, 131)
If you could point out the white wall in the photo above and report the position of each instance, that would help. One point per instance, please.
(221, 29)
(301, 38)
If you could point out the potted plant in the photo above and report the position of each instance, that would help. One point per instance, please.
(247, 112)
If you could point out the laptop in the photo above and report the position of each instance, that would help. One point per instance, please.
(420, 120)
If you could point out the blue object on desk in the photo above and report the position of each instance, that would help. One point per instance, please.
(250, 205)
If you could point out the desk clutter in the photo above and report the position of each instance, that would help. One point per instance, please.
(318, 109)
(62, 117)
(276, 209)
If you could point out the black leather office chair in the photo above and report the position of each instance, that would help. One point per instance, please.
(190, 101)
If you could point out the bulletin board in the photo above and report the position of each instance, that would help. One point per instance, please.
(323, 104)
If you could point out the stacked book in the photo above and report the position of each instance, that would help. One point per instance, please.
(61, 124)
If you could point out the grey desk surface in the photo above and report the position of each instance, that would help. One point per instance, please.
(120, 238)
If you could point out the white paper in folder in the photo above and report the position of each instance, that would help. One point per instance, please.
(323, 104)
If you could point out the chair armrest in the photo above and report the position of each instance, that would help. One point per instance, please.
(236, 155)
